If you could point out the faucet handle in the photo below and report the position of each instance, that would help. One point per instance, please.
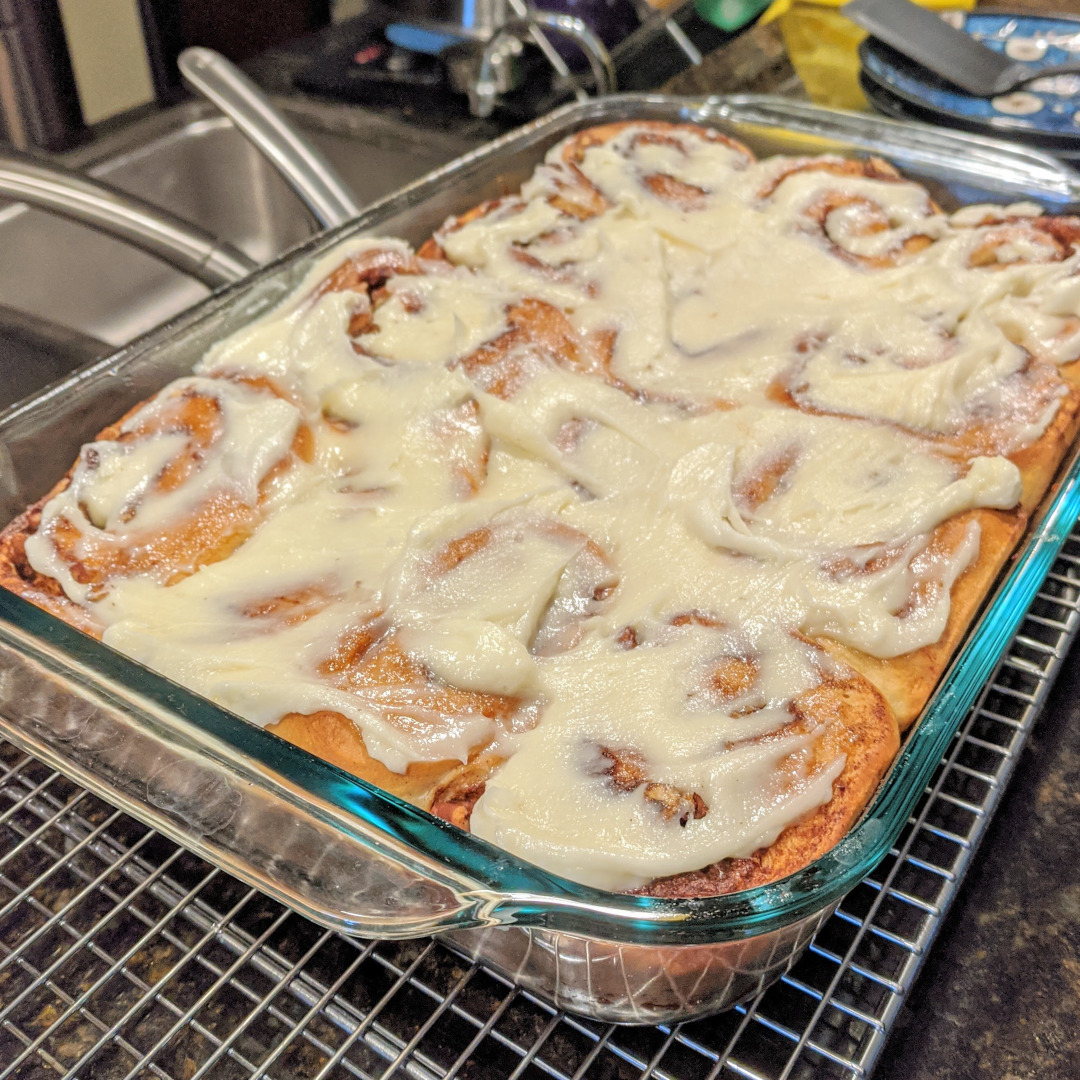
(484, 92)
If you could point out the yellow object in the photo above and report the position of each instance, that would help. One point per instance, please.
(823, 46)
(108, 54)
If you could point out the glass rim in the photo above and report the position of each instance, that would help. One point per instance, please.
(500, 887)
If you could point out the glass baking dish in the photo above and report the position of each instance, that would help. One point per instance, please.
(361, 861)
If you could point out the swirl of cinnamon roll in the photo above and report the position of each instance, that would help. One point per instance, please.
(449, 667)
(1024, 240)
(656, 155)
(179, 483)
(863, 211)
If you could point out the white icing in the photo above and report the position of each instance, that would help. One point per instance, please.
(595, 533)
(113, 498)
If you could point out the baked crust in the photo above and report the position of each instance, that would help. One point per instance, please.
(858, 712)
(907, 681)
(334, 738)
(859, 724)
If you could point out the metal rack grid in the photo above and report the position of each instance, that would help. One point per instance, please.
(122, 955)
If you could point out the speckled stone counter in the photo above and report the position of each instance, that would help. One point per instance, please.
(999, 996)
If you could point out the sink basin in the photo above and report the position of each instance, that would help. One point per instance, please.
(193, 162)
(34, 352)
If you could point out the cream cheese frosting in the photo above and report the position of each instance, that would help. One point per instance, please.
(737, 429)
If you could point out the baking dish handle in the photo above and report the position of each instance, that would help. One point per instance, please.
(1009, 166)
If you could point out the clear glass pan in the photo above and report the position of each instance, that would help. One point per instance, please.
(354, 858)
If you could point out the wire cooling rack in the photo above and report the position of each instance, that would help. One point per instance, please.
(122, 955)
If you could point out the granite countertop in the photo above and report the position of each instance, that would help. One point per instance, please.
(999, 996)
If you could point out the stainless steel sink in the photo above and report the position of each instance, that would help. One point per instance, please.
(193, 162)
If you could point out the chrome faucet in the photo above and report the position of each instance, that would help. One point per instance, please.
(501, 48)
